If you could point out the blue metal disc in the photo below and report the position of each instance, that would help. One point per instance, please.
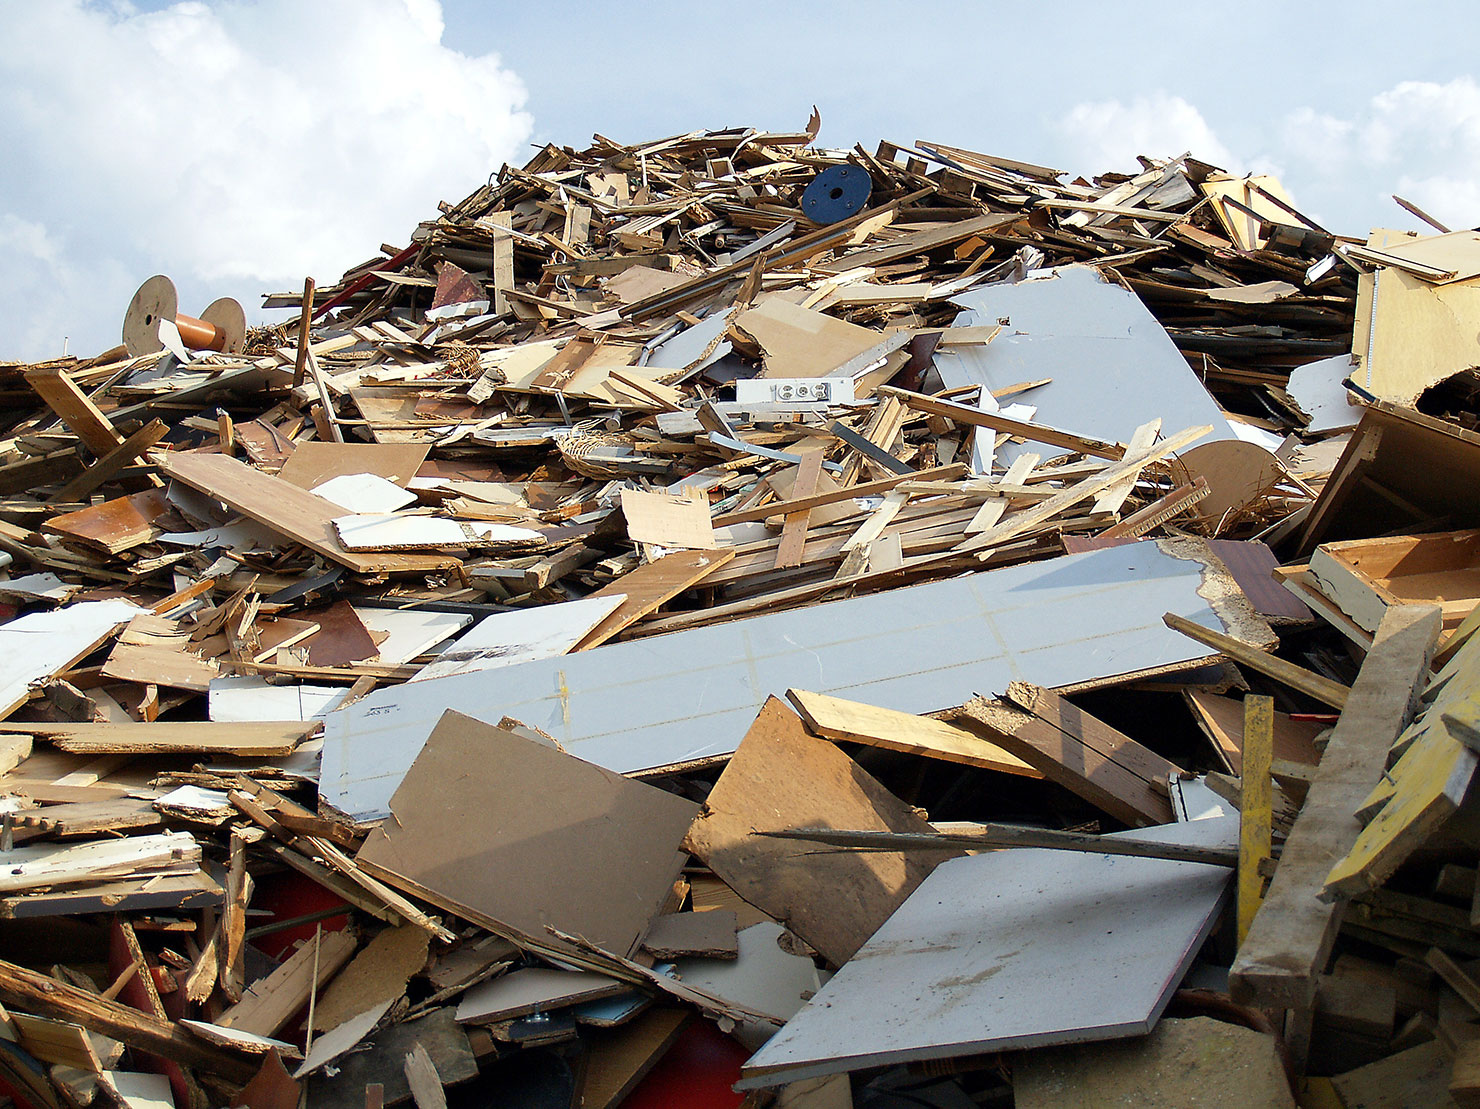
(836, 193)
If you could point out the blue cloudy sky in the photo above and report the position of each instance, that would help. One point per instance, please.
(239, 145)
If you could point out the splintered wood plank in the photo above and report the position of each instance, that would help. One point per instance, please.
(1291, 936)
(270, 739)
(851, 722)
(794, 531)
(269, 1003)
(781, 778)
(286, 509)
(75, 409)
(651, 585)
(1086, 756)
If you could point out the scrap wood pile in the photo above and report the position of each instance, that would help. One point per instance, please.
(727, 618)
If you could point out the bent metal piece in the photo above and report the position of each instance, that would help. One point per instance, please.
(221, 327)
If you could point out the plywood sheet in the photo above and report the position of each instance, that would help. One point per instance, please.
(515, 835)
(631, 706)
(285, 508)
(801, 342)
(1018, 948)
(780, 778)
(1111, 363)
(668, 520)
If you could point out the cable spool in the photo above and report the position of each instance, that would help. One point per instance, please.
(837, 193)
(221, 327)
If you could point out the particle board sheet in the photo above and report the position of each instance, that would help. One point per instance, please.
(1182, 1063)
(1251, 563)
(286, 509)
(515, 835)
(314, 463)
(801, 342)
(1105, 353)
(506, 638)
(40, 644)
(781, 778)
(405, 633)
(1011, 949)
(687, 698)
(668, 520)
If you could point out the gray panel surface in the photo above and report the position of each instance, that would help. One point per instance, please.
(1016, 948)
(654, 702)
(1113, 366)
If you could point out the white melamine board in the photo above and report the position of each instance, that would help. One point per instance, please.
(1113, 367)
(364, 493)
(506, 638)
(653, 702)
(1317, 388)
(409, 632)
(388, 532)
(765, 978)
(1012, 949)
(249, 697)
(40, 644)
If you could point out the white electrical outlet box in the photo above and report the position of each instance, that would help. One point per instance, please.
(795, 390)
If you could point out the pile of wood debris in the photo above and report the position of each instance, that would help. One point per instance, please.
(729, 622)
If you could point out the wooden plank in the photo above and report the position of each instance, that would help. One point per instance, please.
(1323, 689)
(287, 509)
(37, 993)
(1078, 752)
(794, 531)
(781, 777)
(247, 738)
(852, 722)
(74, 409)
(269, 1003)
(1291, 936)
(1256, 796)
(864, 489)
(1038, 433)
(645, 589)
(111, 464)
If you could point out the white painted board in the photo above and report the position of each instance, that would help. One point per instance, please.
(1112, 365)
(364, 493)
(40, 644)
(645, 703)
(1012, 949)
(506, 638)
(410, 632)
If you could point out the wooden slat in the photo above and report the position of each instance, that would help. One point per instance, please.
(1291, 936)
(288, 510)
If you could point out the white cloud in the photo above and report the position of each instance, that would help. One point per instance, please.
(1109, 134)
(1419, 139)
(235, 146)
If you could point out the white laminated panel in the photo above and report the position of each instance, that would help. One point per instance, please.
(689, 697)
(1012, 949)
